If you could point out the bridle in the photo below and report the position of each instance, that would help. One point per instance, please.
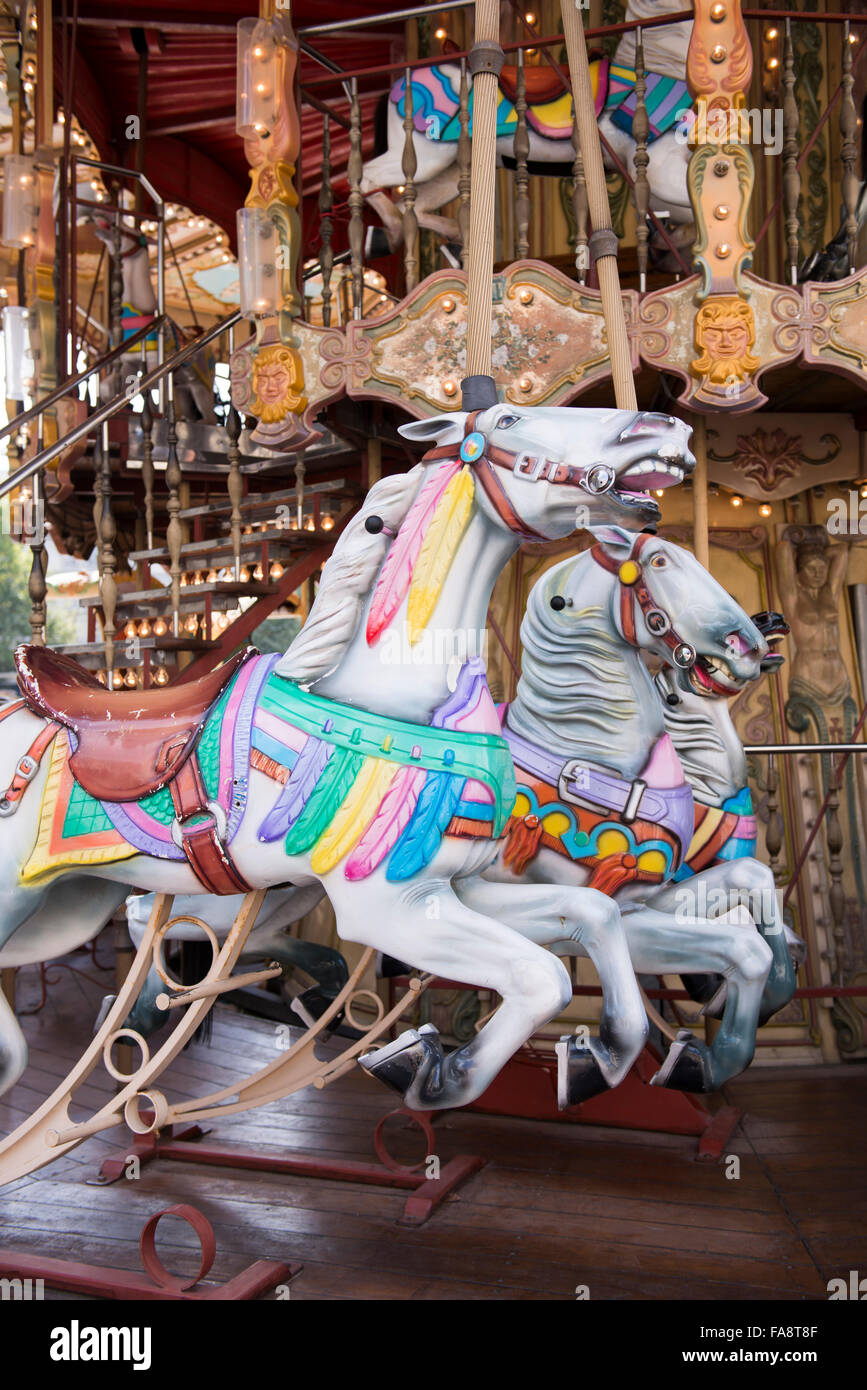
(634, 591)
(486, 458)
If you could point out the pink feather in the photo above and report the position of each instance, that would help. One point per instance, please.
(393, 815)
(396, 575)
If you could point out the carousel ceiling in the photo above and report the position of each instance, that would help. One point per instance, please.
(192, 153)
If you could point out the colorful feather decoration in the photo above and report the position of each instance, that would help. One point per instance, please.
(296, 793)
(324, 800)
(397, 806)
(423, 836)
(397, 571)
(354, 814)
(437, 551)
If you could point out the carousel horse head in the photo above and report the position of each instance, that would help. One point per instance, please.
(665, 603)
(542, 471)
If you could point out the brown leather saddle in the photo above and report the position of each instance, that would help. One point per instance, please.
(542, 84)
(130, 742)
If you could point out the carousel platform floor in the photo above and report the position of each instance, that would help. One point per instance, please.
(631, 1215)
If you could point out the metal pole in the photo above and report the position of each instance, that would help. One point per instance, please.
(416, 12)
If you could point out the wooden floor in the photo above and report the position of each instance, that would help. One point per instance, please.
(630, 1215)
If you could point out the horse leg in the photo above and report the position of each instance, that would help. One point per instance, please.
(13, 1046)
(661, 944)
(578, 921)
(750, 884)
(427, 924)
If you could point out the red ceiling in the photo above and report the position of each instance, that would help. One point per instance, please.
(198, 159)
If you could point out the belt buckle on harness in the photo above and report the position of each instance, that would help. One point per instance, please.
(218, 815)
(528, 466)
(571, 771)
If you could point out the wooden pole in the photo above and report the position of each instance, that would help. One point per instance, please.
(701, 542)
(603, 241)
(485, 61)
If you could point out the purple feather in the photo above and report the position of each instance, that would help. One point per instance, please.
(296, 793)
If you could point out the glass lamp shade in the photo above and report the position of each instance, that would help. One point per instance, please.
(20, 201)
(257, 263)
(20, 368)
(258, 77)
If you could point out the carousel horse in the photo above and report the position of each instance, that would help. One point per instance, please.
(435, 115)
(194, 392)
(698, 720)
(603, 800)
(367, 758)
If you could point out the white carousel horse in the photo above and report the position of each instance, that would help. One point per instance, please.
(194, 393)
(699, 722)
(381, 775)
(602, 797)
(435, 97)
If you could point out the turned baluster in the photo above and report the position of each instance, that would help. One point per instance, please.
(174, 532)
(774, 829)
(834, 840)
(356, 203)
(640, 132)
(464, 163)
(234, 483)
(849, 151)
(409, 165)
(326, 224)
(580, 207)
(522, 174)
(116, 291)
(36, 587)
(147, 465)
(300, 471)
(791, 176)
(105, 540)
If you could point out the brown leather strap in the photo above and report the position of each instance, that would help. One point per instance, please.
(27, 766)
(206, 853)
(635, 592)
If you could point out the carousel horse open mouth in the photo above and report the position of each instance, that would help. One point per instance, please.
(711, 675)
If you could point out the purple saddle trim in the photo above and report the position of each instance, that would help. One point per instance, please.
(581, 785)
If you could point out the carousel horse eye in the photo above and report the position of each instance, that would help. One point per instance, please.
(658, 562)
(506, 422)
(374, 525)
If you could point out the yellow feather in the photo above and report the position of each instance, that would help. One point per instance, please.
(437, 551)
(354, 814)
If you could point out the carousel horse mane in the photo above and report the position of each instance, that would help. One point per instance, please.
(347, 578)
(570, 666)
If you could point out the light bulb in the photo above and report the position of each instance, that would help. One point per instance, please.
(130, 680)
(161, 627)
(737, 501)
(161, 676)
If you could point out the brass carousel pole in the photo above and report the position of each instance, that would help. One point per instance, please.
(484, 63)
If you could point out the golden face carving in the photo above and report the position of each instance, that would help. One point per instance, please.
(725, 331)
(278, 383)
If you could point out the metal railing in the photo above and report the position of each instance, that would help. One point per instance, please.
(114, 406)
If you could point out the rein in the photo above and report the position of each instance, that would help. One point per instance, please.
(634, 590)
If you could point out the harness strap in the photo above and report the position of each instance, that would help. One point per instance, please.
(633, 589)
(484, 466)
(203, 840)
(27, 765)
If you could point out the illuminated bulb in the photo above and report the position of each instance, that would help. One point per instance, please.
(161, 676)
(191, 623)
(450, 387)
(525, 383)
(129, 630)
(212, 576)
(772, 63)
(100, 676)
(765, 510)
(771, 34)
(718, 13)
(144, 628)
(327, 522)
(117, 680)
(276, 570)
(853, 38)
(244, 576)
(737, 501)
(401, 188)
(448, 305)
(721, 212)
(658, 492)
(526, 296)
(257, 573)
(61, 118)
(529, 17)
(197, 577)
(130, 680)
(185, 579)
(719, 53)
(257, 51)
(310, 524)
(440, 34)
(723, 250)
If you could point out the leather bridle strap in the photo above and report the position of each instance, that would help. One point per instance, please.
(484, 470)
(633, 588)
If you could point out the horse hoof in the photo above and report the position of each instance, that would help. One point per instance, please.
(405, 1062)
(579, 1076)
(684, 1067)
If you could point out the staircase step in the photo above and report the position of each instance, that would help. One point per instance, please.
(269, 501)
(191, 596)
(95, 651)
(251, 546)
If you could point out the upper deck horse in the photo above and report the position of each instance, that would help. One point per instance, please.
(384, 777)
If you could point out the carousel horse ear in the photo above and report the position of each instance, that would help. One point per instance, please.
(616, 537)
(440, 429)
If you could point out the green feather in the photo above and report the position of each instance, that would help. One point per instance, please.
(340, 773)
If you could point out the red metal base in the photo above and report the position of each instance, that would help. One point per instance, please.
(527, 1087)
(185, 1146)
